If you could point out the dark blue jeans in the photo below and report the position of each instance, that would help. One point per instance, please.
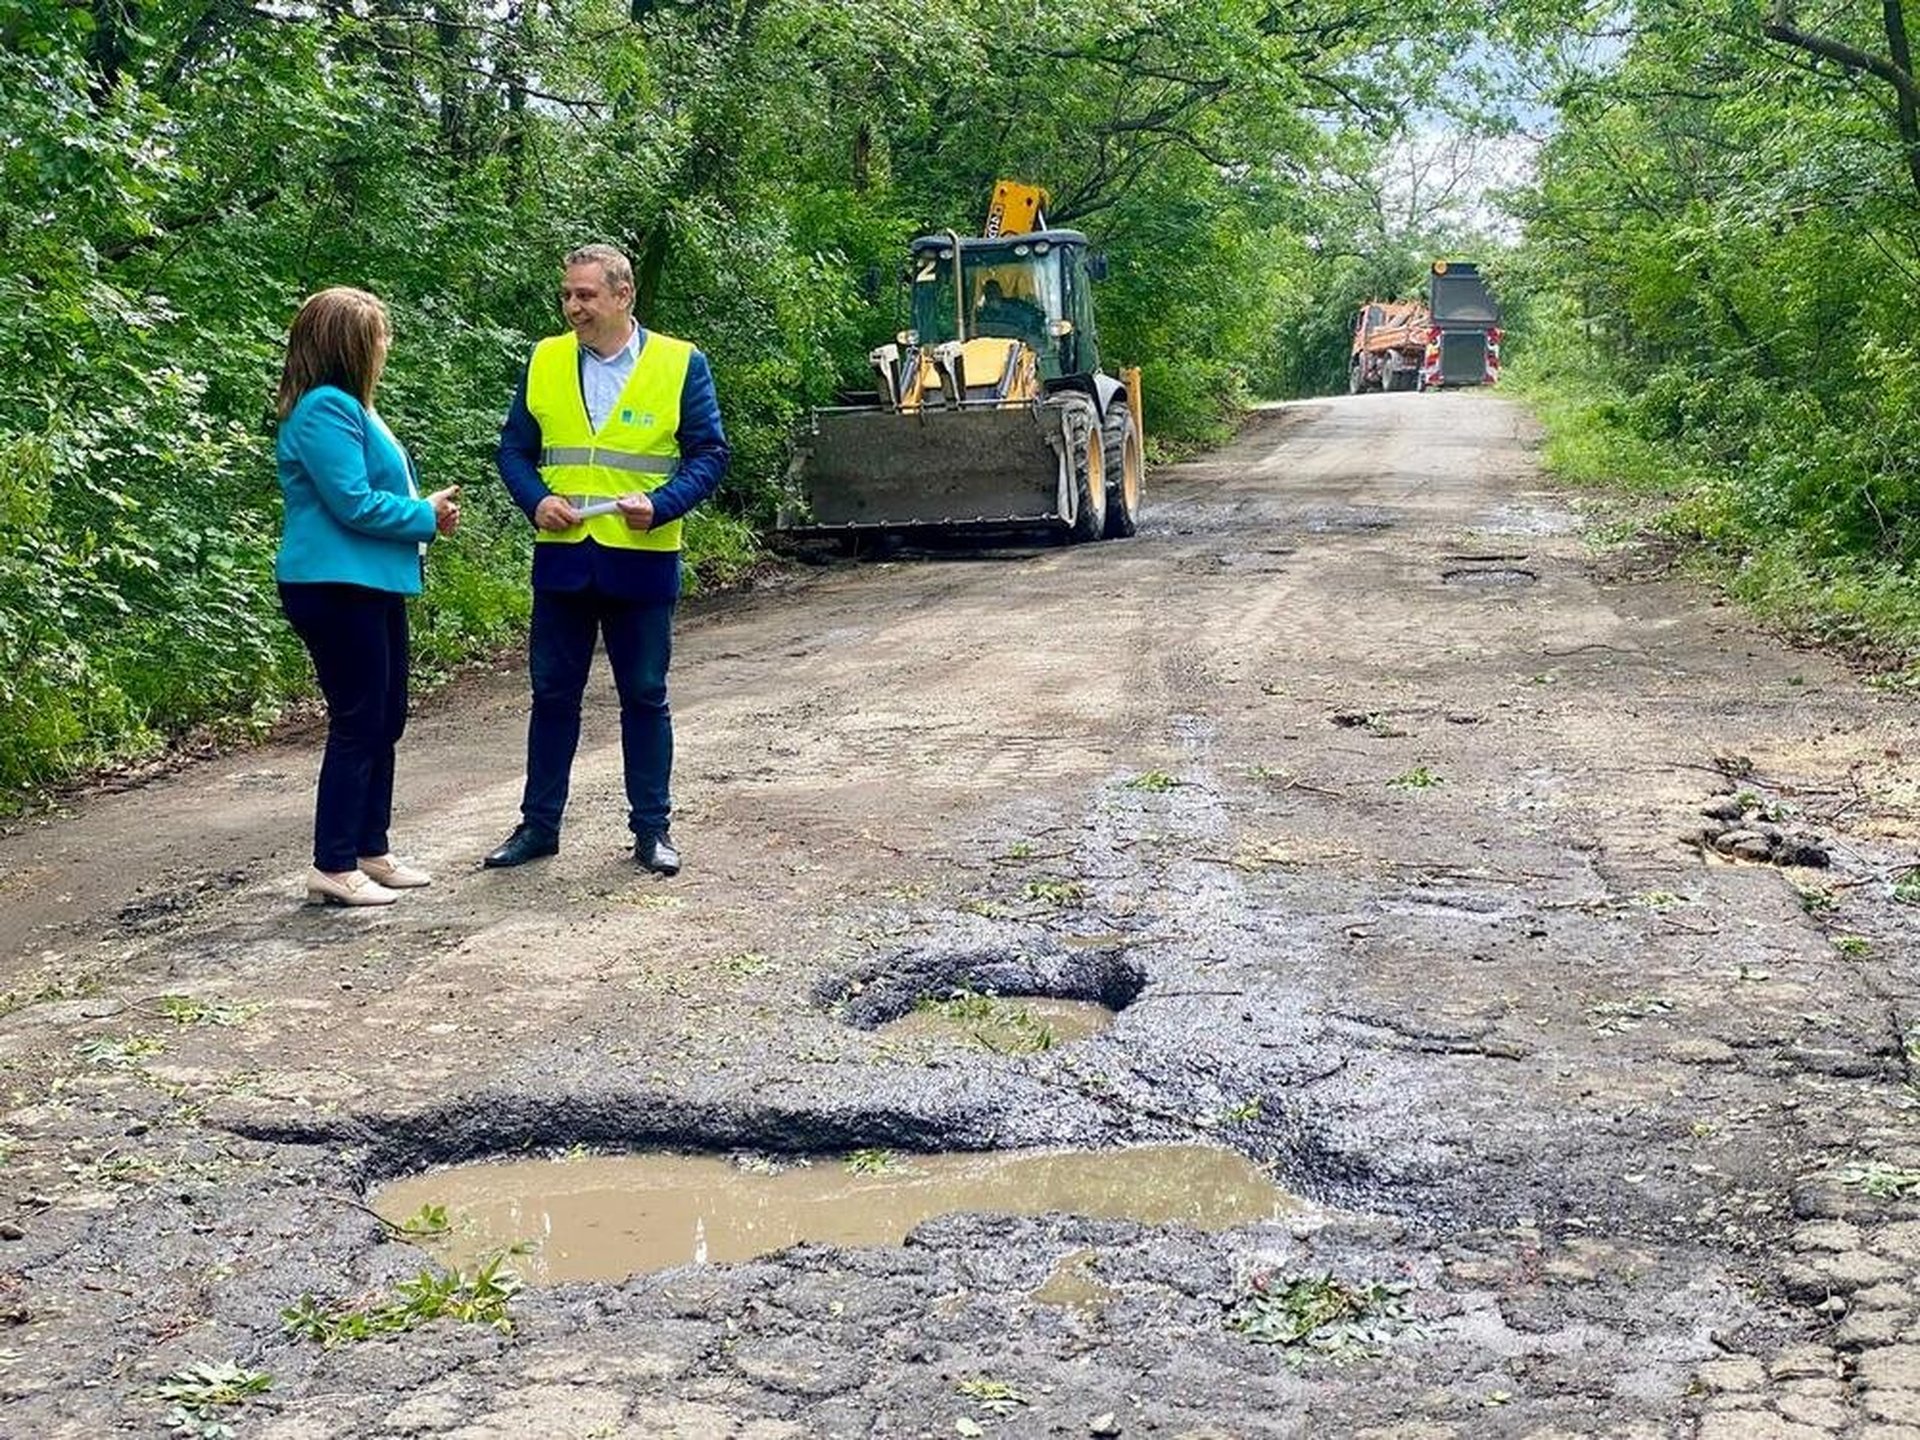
(358, 640)
(559, 656)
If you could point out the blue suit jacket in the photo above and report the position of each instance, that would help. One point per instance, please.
(352, 514)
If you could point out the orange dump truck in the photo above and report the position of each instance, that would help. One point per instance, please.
(1389, 343)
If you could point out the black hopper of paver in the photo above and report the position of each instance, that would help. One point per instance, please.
(1041, 971)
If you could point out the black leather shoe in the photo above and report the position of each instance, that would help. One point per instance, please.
(526, 843)
(656, 853)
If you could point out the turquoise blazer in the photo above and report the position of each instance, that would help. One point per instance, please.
(353, 513)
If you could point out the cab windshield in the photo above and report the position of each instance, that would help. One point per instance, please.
(1011, 290)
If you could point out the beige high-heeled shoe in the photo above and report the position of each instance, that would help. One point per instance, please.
(353, 888)
(392, 873)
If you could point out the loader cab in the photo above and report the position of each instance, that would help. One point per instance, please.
(1033, 288)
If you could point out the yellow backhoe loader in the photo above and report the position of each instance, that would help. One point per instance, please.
(992, 412)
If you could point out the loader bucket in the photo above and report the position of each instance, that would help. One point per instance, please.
(958, 468)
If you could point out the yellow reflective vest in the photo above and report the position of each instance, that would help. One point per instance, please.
(634, 450)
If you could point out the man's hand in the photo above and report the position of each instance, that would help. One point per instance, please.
(554, 513)
(637, 510)
(446, 509)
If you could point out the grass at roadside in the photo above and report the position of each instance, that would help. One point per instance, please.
(474, 608)
(1768, 552)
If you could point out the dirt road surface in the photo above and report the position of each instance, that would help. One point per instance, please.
(1363, 782)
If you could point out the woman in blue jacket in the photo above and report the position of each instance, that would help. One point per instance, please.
(352, 550)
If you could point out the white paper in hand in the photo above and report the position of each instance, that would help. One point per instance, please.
(597, 507)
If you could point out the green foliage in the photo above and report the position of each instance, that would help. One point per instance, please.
(1718, 271)
(425, 1223)
(477, 1299)
(170, 190)
(190, 1010)
(1055, 892)
(994, 1397)
(124, 1053)
(199, 1396)
(875, 1160)
(1003, 1026)
(1319, 1317)
(1880, 1180)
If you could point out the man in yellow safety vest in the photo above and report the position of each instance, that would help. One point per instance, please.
(614, 435)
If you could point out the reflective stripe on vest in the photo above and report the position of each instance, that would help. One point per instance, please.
(634, 450)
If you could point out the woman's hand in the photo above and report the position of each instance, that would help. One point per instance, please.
(446, 509)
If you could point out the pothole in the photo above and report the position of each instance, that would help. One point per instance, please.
(968, 989)
(1004, 1025)
(606, 1218)
(1347, 520)
(1489, 575)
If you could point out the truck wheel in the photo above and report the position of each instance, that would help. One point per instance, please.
(1126, 472)
(1085, 447)
(1354, 383)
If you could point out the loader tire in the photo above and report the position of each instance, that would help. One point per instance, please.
(1087, 452)
(1126, 472)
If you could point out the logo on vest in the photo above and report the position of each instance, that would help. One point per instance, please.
(626, 417)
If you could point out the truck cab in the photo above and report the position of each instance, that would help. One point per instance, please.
(1021, 288)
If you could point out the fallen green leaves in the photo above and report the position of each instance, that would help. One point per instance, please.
(477, 1299)
(1005, 1027)
(1055, 892)
(425, 1223)
(200, 1395)
(1616, 1017)
(874, 1160)
(1317, 1317)
(124, 1053)
(994, 1397)
(1880, 1180)
(190, 1010)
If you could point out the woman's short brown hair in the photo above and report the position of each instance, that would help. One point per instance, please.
(335, 341)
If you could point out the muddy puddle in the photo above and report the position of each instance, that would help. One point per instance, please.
(605, 1218)
(1013, 1025)
(1073, 1286)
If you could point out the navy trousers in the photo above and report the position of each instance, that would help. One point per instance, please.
(358, 640)
(639, 639)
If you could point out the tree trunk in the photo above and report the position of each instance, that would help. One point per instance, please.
(456, 120)
(1900, 51)
(513, 77)
(107, 48)
(646, 276)
(1895, 68)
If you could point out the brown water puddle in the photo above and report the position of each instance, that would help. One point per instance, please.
(1071, 1286)
(1013, 1025)
(605, 1218)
